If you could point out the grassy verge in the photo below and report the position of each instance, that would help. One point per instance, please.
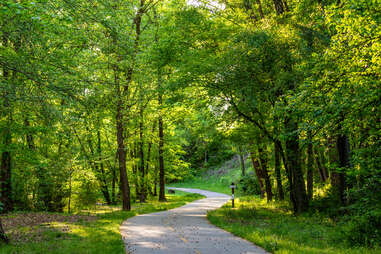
(100, 235)
(205, 184)
(274, 228)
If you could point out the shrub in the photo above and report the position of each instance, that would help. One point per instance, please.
(248, 185)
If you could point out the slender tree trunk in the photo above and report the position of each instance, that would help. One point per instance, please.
(148, 160)
(114, 181)
(242, 160)
(124, 184)
(322, 173)
(277, 172)
(3, 236)
(293, 162)
(155, 183)
(104, 187)
(134, 156)
(310, 169)
(6, 159)
(141, 161)
(161, 142)
(258, 173)
(343, 150)
(161, 159)
(263, 163)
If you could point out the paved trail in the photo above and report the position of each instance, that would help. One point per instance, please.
(183, 230)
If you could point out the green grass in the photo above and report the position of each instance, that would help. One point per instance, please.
(218, 179)
(100, 236)
(273, 227)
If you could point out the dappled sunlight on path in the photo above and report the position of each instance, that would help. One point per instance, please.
(183, 230)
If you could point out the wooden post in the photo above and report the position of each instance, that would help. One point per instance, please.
(232, 186)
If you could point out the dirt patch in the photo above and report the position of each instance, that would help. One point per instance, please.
(35, 227)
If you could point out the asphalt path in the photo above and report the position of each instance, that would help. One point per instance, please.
(184, 230)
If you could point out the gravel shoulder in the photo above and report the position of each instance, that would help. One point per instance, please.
(183, 230)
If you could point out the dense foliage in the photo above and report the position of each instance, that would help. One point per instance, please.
(108, 100)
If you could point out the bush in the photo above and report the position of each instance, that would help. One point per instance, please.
(363, 230)
(248, 185)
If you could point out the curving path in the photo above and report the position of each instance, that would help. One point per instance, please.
(183, 230)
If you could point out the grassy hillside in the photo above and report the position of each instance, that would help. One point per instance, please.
(219, 178)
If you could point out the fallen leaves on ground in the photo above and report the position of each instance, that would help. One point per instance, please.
(36, 227)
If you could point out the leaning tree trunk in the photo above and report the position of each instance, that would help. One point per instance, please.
(258, 173)
(263, 163)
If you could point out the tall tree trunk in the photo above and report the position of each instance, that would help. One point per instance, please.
(242, 161)
(322, 173)
(143, 191)
(293, 162)
(148, 160)
(134, 156)
(310, 169)
(344, 159)
(124, 184)
(258, 173)
(114, 181)
(263, 162)
(161, 141)
(104, 186)
(277, 172)
(323, 160)
(161, 157)
(6, 159)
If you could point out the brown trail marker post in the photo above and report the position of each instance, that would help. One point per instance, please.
(232, 186)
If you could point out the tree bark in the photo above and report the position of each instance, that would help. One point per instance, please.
(124, 184)
(277, 172)
(263, 163)
(6, 159)
(310, 169)
(258, 173)
(242, 161)
(293, 162)
(322, 172)
(343, 150)
(104, 186)
(161, 157)
(143, 192)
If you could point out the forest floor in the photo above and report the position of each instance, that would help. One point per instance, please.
(94, 232)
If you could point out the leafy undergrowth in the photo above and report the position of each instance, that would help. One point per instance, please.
(62, 233)
(273, 227)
